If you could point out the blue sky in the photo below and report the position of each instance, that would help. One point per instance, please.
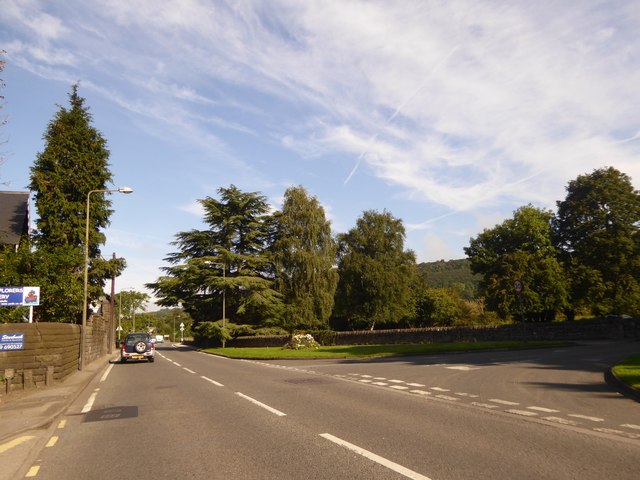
(448, 114)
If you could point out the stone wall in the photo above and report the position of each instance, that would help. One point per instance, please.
(604, 329)
(51, 352)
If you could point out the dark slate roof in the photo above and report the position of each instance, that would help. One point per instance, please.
(14, 217)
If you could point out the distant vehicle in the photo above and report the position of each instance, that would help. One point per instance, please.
(159, 338)
(138, 346)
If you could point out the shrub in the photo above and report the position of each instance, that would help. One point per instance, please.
(301, 342)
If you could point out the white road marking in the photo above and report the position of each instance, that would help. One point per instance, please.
(464, 368)
(188, 370)
(543, 409)
(447, 397)
(218, 384)
(176, 364)
(415, 384)
(396, 381)
(420, 392)
(586, 417)
(366, 376)
(438, 389)
(87, 406)
(484, 405)
(376, 458)
(365, 380)
(562, 421)
(524, 413)
(470, 395)
(260, 404)
(629, 425)
(382, 384)
(106, 374)
(503, 402)
(379, 378)
(618, 432)
(399, 387)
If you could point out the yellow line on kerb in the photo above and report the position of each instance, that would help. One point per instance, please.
(15, 442)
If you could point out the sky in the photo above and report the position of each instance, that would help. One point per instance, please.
(448, 114)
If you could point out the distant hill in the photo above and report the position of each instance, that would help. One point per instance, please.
(448, 273)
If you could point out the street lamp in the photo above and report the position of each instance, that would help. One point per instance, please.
(86, 269)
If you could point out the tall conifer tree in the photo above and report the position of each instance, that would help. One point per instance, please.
(73, 163)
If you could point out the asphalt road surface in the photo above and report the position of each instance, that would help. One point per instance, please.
(530, 414)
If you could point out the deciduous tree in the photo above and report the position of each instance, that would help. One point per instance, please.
(376, 273)
(304, 255)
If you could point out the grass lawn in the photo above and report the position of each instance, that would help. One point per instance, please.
(629, 371)
(367, 351)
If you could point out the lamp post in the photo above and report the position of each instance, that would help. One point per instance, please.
(86, 270)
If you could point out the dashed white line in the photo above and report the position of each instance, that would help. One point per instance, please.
(218, 384)
(543, 409)
(484, 405)
(188, 370)
(399, 387)
(415, 384)
(618, 432)
(629, 425)
(470, 395)
(503, 402)
(561, 421)
(260, 404)
(176, 364)
(381, 384)
(438, 389)
(396, 381)
(524, 413)
(586, 417)
(376, 458)
(420, 392)
(447, 397)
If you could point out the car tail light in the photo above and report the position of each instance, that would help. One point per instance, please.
(153, 346)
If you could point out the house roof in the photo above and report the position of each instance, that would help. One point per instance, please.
(14, 217)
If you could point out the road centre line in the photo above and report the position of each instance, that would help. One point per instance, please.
(188, 370)
(176, 364)
(376, 458)
(260, 404)
(217, 384)
(524, 413)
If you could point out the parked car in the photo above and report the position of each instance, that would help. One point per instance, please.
(159, 338)
(137, 346)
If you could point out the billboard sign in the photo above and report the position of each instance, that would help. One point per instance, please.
(19, 296)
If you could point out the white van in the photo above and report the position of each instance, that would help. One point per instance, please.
(159, 338)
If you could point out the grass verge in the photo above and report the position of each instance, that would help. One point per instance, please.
(628, 371)
(368, 351)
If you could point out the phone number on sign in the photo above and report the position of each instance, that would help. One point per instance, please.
(11, 346)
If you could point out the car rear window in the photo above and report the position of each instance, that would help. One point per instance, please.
(131, 339)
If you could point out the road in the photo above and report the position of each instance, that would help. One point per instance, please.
(532, 414)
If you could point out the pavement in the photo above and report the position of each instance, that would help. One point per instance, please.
(38, 407)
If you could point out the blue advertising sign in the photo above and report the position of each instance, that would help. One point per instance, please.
(19, 296)
(11, 341)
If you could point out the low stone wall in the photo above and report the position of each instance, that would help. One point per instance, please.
(605, 329)
(51, 352)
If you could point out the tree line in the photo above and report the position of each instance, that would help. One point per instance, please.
(254, 269)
